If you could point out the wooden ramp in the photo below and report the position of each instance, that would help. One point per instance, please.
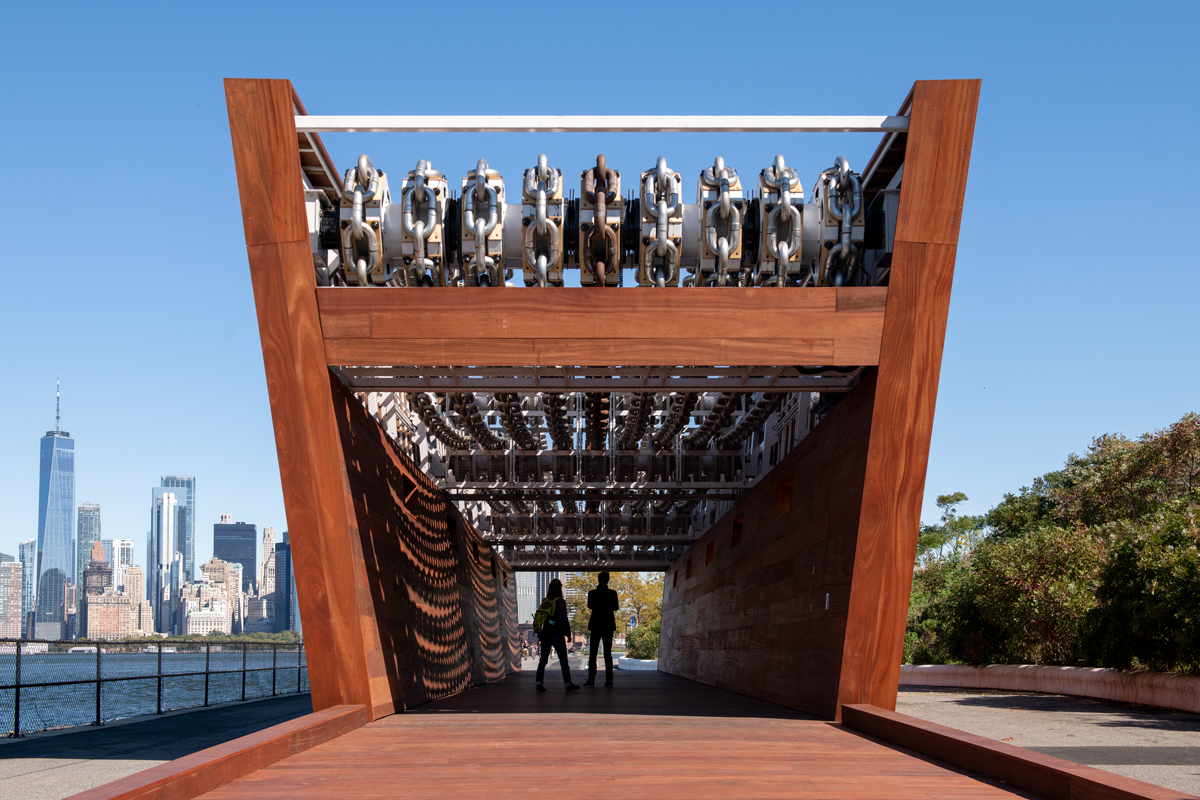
(654, 735)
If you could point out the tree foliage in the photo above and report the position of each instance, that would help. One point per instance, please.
(1096, 563)
(640, 593)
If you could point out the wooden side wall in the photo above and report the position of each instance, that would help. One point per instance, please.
(436, 590)
(755, 620)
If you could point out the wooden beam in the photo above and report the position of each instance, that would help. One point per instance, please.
(931, 199)
(261, 122)
(589, 326)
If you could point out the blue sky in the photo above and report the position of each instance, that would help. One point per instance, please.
(1073, 312)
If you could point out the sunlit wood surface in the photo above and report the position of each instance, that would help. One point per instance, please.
(653, 735)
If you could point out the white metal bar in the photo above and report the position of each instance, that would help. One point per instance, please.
(599, 124)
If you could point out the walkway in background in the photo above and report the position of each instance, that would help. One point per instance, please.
(1150, 744)
(49, 767)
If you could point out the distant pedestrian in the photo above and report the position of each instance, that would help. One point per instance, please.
(604, 604)
(553, 626)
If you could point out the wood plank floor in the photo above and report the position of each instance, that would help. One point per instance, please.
(653, 735)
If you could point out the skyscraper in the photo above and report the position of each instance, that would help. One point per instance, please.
(160, 555)
(88, 532)
(27, 555)
(285, 587)
(119, 554)
(56, 529)
(184, 487)
(95, 580)
(235, 542)
(10, 599)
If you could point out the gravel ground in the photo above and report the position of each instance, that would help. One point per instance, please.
(1151, 744)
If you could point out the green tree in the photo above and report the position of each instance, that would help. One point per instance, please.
(956, 531)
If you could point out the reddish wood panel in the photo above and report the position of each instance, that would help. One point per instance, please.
(1053, 778)
(931, 198)
(192, 776)
(435, 591)
(264, 141)
(483, 327)
(767, 617)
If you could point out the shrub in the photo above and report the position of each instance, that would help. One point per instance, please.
(642, 641)
(1148, 612)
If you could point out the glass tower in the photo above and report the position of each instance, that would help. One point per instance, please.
(56, 529)
(27, 554)
(89, 533)
(184, 488)
(236, 543)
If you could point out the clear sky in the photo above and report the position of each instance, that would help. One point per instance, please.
(1074, 304)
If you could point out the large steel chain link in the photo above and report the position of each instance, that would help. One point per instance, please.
(541, 244)
(661, 198)
(483, 267)
(353, 191)
(783, 179)
(844, 203)
(598, 188)
(719, 176)
(420, 200)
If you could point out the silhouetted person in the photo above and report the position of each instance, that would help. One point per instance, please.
(553, 636)
(604, 604)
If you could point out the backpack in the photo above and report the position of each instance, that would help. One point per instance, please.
(543, 616)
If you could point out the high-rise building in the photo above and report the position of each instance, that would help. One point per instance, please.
(5, 558)
(527, 599)
(11, 617)
(109, 616)
(266, 570)
(56, 529)
(119, 555)
(237, 597)
(184, 488)
(160, 555)
(97, 579)
(87, 531)
(27, 555)
(235, 542)
(285, 587)
(543, 583)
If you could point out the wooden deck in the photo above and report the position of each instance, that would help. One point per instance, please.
(654, 735)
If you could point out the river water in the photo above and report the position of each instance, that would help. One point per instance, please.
(48, 707)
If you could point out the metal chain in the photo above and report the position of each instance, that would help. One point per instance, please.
(483, 265)
(844, 203)
(541, 238)
(352, 192)
(660, 193)
(783, 179)
(719, 176)
(422, 228)
(598, 189)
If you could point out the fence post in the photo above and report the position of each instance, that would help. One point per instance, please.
(299, 663)
(274, 661)
(98, 651)
(159, 648)
(207, 655)
(17, 704)
(244, 646)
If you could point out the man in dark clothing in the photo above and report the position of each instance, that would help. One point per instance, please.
(553, 636)
(604, 603)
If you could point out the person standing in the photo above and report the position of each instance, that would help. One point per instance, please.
(604, 604)
(553, 634)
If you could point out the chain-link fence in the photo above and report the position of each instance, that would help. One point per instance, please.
(45, 685)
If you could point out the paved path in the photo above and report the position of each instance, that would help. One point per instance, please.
(1150, 744)
(49, 767)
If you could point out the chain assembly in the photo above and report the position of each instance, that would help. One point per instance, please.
(599, 225)
(662, 227)
(424, 208)
(542, 224)
(719, 196)
(778, 186)
(483, 187)
(842, 225)
(365, 197)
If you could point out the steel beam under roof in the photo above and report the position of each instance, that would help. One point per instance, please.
(599, 124)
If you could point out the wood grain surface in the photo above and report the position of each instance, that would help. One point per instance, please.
(1050, 777)
(497, 327)
(931, 199)
(207, 769)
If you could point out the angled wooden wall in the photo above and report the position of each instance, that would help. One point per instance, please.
(742, 621)
(368, 577)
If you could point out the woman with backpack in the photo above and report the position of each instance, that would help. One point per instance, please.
(553, 626)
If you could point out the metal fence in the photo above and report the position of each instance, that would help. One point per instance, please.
(46, 685)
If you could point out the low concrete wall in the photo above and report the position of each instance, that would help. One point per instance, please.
(1166, 690)
(637, 663)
